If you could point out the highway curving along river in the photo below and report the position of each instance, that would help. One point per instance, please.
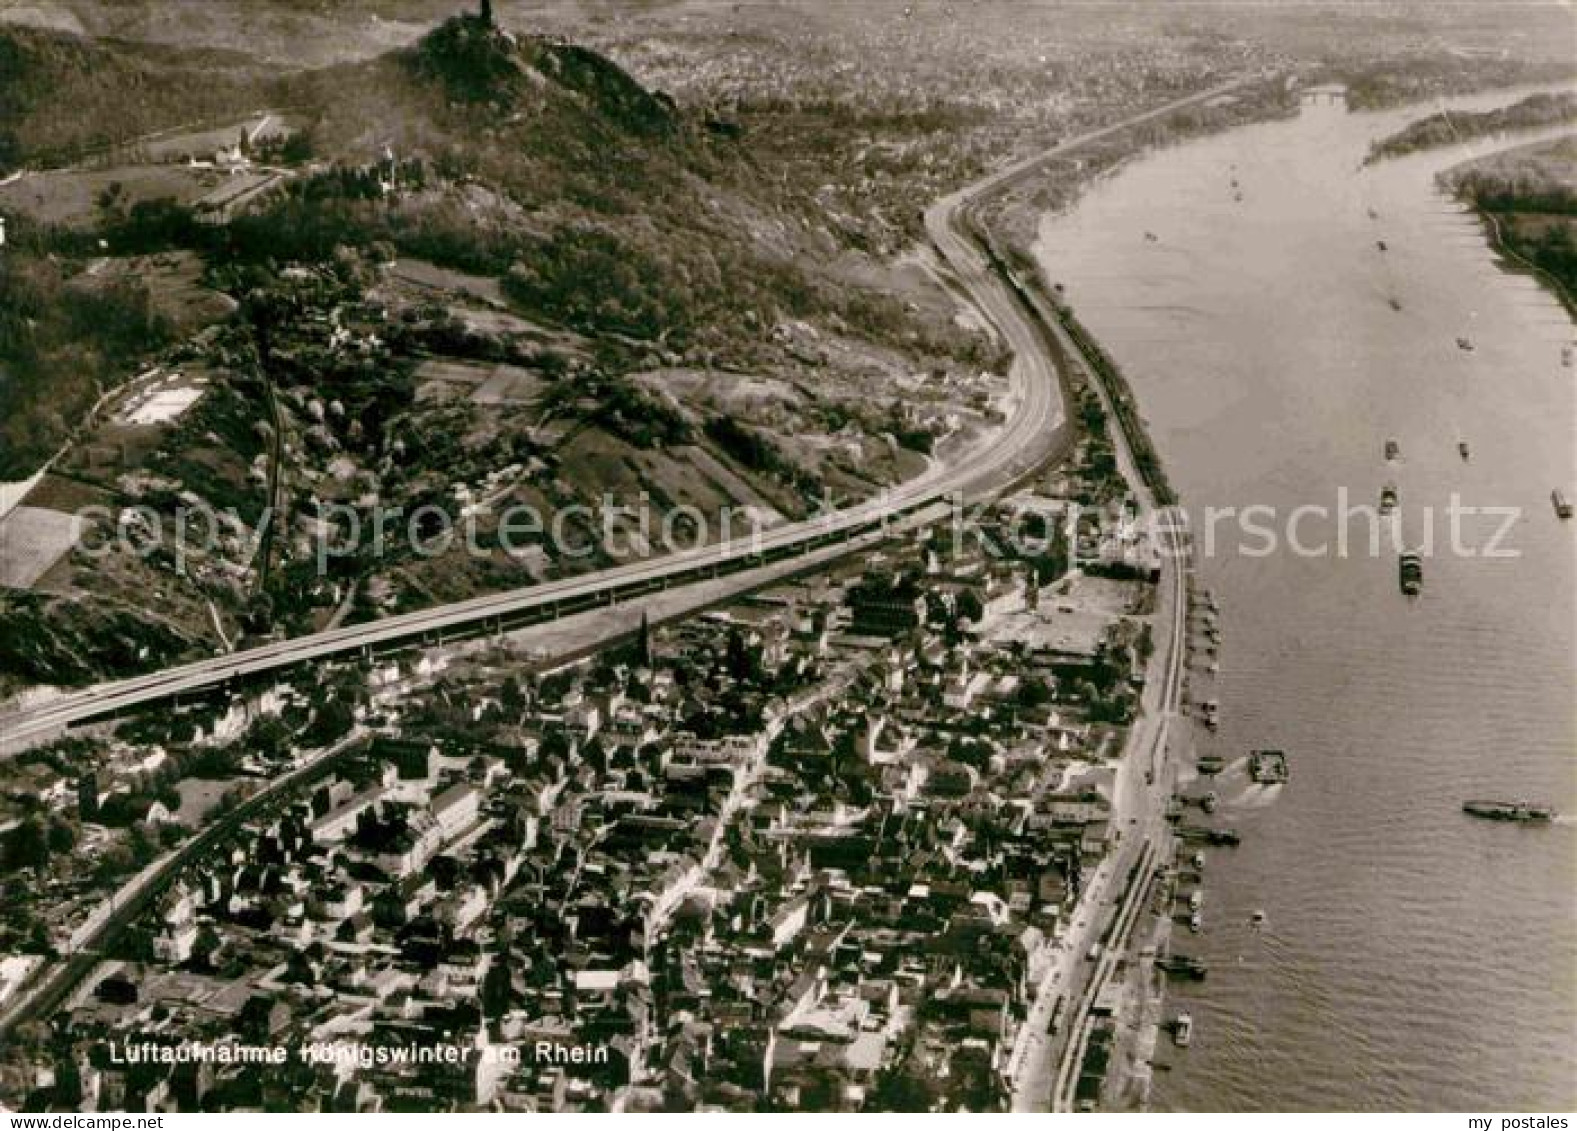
(1410, 957)
(1028, 438)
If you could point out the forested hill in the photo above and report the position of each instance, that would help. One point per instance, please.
(63, 96)
(490, 264)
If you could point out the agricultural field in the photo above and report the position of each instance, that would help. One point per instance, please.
(32, 540)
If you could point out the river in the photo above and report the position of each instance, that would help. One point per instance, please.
(1412, 957)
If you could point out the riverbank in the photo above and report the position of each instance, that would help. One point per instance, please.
(1509, 258)
(1014, 215)
(1108, 1019)
(1107, 1063)
(1526, 200)
(1118, 998)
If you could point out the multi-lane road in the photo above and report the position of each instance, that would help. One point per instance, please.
(1026, 439)
(1017, 447)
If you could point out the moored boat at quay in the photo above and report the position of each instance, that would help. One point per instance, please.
(1508, 811)
(1183, 966)
(1201, 834)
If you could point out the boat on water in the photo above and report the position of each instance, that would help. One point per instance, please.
(1206, 835)
(1212, 764)
(1508, 811)
(1268, 767)
(1462, 450)
(1410, 572)
(1563, 508)
(1392, 449)
(1183, 1030)
(1183, 966)
(1387, 499)
(1465, 344)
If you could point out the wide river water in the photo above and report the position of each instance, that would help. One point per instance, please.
(1411, 957)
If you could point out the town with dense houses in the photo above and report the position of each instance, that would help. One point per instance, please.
(811, 849)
